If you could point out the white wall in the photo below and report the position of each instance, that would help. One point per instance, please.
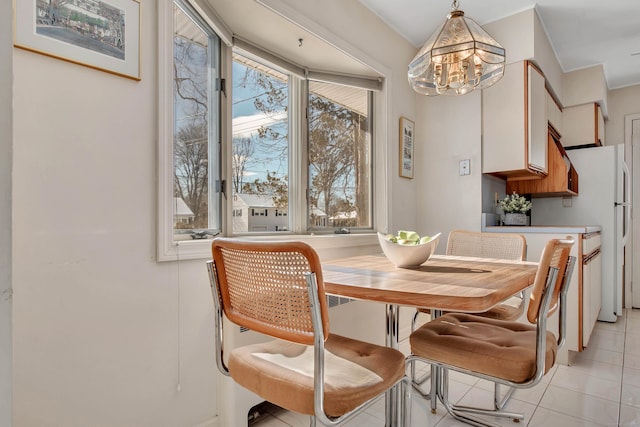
(584, 86)
(516, 34)
(5, 213)
(622, 102)
(523, 37)
(103, 335)
(449, 130)
(546, 58)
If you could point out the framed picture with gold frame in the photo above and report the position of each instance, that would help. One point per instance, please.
(104, 35)
(407, 135)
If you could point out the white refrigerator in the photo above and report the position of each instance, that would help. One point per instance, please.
(604, 199)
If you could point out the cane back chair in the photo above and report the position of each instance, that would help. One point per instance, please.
(276, 288)
(505, 352)
(509, 246)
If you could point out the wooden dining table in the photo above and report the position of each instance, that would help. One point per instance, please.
(443, 283)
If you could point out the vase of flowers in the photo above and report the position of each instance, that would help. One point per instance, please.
(515, 208)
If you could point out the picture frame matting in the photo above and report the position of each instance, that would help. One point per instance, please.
(102, 35)
(407, 137)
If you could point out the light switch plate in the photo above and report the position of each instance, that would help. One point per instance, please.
(465, 167)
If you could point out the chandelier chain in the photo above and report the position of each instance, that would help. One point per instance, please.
(454, 5)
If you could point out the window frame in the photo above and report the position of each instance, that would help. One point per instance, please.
(298, 171)
(170, 250)
(167, 248)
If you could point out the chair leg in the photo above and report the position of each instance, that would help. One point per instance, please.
(466, 413)
(417, 382)
(500, 403)
(404, 403)
(436, 379)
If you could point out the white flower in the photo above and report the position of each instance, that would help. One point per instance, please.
(515, 204)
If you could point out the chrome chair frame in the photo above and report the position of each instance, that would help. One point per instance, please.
(397, 416)
(439, 389)
(417, 382)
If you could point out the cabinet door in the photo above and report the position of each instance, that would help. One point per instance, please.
(503, 122)
(595, 270)
(537, 118)
(588, 321)
(580, 125)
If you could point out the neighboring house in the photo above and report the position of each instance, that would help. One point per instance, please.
(182, 216)
(318, 217)
(252, 212)
(343, 219)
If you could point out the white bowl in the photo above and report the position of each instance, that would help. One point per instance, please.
(405, 255)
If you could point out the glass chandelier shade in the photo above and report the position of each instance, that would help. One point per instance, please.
(457, 59)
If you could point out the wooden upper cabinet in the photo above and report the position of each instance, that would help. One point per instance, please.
(562, 179)
(583, 126)
(514, 119)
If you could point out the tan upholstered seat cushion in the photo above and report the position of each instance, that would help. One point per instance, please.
(511, 309)
(293, 390)
(493, 347)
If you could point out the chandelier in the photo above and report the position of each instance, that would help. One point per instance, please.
(458, 58)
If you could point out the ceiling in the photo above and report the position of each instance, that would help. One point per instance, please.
(250, 20)
(583, 33)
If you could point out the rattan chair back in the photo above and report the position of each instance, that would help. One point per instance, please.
(554, 255)
(262, 286)
(509, 246)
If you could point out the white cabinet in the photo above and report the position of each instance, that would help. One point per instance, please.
(554, 113)
(514, 118)
(585, 288)
(582, 126)
(591, 271)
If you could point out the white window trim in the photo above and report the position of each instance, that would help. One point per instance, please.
(167, 249)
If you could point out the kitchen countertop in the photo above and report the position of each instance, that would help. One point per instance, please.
(551, 229)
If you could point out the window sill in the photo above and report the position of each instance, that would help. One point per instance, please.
(201, 249)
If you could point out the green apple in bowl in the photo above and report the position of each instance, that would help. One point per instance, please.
(406, 248)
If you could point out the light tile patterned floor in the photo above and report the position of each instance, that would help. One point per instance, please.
(600, 388)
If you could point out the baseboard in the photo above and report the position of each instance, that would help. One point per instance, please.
(212, 422)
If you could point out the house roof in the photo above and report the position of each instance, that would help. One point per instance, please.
(317, 212)
(180, 208)
(256, 200)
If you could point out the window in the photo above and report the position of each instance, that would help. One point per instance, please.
(195, 121)
(269, 144)
(258, 212)
(190, 167)
(340, 174)
(260, 141)
(296, 146)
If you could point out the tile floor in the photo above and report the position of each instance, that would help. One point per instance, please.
(600, 388)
